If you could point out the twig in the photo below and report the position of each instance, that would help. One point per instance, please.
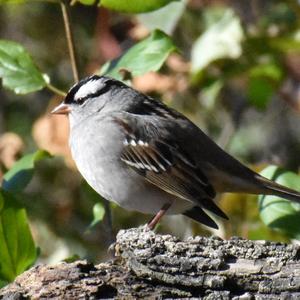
(70, 41)
(56, 90)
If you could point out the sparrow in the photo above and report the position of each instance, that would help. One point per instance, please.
(139, 153)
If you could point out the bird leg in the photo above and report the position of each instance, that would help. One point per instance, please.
(152, 223)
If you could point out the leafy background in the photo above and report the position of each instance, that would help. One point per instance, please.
(230, 66)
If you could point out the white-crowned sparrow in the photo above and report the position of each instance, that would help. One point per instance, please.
(145, 156)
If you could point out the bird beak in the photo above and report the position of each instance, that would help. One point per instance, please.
(61, 109)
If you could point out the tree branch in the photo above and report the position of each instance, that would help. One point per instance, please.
(70, 40)
(161, 266)
(55, 90)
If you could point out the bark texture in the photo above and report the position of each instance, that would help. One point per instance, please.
(149, 265)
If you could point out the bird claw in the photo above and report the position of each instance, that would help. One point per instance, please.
(111, 250)
(146, 228)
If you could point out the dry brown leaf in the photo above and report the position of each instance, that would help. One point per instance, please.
(152, 81)
(138, 32)
(11, 146)
(51, 133)
(176, 63)
(155, 82)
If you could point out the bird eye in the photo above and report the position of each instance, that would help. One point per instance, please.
(81, 100)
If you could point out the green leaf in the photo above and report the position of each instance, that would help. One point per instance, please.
(17, 69)
(286, 44)
(259, 91)
(130, 6)
(88, 2)
(270, 70)
(278, 213)
(72, 258)
(12, 1)
(222, 39)
(263, 79)
(17, 249)
(98, 214)
(98, 208)
(3, 283)
(18, 177)
(147, 55)
(165, 18)
(262, 232)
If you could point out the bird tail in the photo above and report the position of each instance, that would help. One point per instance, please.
(273, 188)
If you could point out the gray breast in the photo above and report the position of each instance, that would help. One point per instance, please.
(96, 147)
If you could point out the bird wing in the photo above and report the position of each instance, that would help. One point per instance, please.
(150, 150)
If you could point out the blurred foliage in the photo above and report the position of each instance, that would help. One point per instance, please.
(278, 213)
(147, 55)
(165, 18)
(222, 38)
(17, 69)
(235, 73)
(130, 6)
(18, 177)
(17, 249)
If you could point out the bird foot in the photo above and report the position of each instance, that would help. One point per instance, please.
(146, 228)
(111, 250)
